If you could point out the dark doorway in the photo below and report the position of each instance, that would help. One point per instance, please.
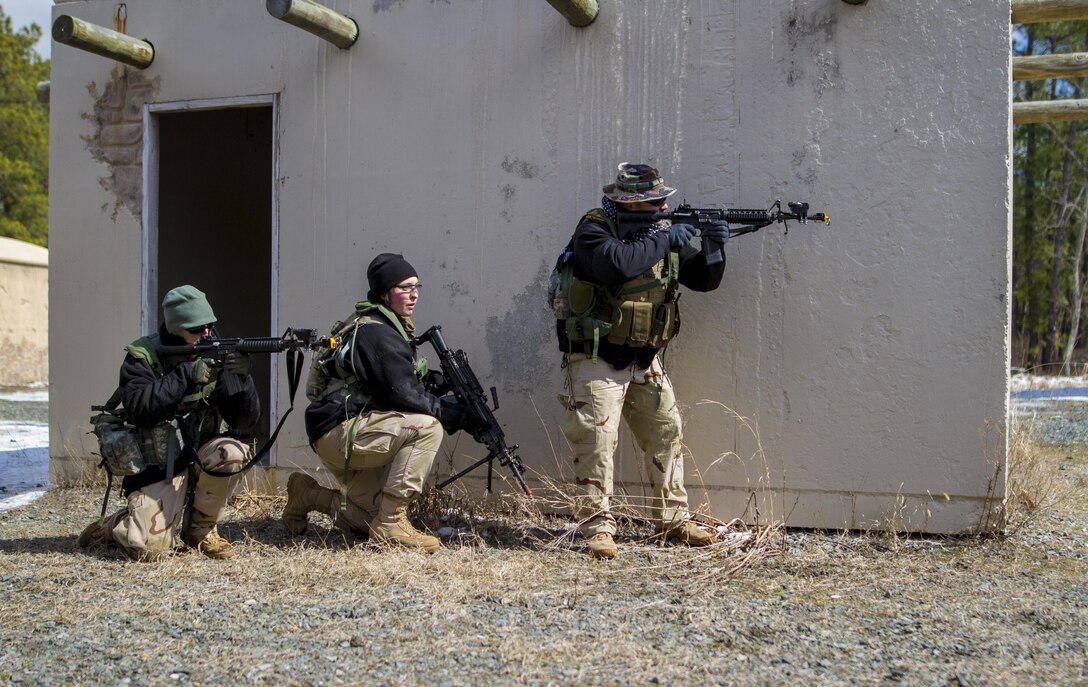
(215, 220)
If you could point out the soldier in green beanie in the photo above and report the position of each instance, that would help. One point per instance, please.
(184, 417)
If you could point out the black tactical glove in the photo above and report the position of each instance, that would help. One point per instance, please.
(717, 231)
(435, 383)
(454, 416)
(238, 363)
(680, 235)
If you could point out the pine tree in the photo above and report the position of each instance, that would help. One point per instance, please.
(24, 136)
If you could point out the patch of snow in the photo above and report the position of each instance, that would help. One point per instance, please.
(24, 462)
(20, 499)
(1024, 382)
(19, 396)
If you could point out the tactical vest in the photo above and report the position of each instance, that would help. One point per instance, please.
(640, 313)
(332, 371)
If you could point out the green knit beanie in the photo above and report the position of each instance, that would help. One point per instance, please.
(186, 307)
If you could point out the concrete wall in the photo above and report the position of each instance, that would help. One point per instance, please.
(24, 313)
(845, 376)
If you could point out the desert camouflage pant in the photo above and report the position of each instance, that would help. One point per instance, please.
(147, 527)
(597, 397)
(391, 453)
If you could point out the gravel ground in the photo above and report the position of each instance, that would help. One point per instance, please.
(514, 601)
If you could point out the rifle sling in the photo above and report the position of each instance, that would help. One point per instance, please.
(294, 374)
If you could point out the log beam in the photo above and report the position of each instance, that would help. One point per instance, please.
(319, 20)
(1050, 66)
(1049, 111)
(578, 12)
(42, 92)
(1032, 11)
(102, 41)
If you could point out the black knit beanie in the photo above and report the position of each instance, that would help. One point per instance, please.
(386, 271)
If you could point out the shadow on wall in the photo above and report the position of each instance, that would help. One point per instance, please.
(24, 313)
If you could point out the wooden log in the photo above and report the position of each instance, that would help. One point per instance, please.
(319, 20)
(42, 91)
(1050, 66)
(1049, 111)
(1032, 11)
(102, 41)
(578, 12)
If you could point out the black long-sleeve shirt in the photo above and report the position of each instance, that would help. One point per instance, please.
(149, 400)
(385, 364)
(600, 258)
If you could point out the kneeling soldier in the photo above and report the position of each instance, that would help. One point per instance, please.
(371, 420)
(160, 396)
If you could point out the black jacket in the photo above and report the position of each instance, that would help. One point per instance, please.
(386, 366)
(601, 258)
(149, 400)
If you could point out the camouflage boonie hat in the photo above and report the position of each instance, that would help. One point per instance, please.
(636, 183)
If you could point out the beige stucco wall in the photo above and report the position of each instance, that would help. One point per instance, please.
(868, 359)
(24, 313)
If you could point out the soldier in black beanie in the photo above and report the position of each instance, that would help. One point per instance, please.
(371, 420)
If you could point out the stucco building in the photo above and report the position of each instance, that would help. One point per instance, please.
(24, 313)
(845, 376)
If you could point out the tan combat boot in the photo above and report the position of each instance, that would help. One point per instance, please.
(212, 546)
(687, 532)
(391, 526)
(94, 535)
(305, 495)
(601, 545)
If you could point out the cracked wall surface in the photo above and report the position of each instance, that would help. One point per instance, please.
(117, 141)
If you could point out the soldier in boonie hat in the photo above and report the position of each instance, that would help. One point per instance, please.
(637, 183)
(614, 290)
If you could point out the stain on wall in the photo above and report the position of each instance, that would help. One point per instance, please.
(805, 35)
(119, 133)
(521, 168)
(523, 349)
(385, 5)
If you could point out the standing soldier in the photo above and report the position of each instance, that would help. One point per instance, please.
(617, 308)
(371, 420)
(160, 397)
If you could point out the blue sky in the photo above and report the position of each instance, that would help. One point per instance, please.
(26, 12)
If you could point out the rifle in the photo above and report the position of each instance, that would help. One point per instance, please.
(212, 347)
(753, 220)
(485, 428)
(218, 349)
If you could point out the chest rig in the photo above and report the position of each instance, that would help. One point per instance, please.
(640, 313)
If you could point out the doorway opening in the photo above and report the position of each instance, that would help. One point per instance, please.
(210, 217)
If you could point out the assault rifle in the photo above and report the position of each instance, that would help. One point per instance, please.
(752, 220)
(292, 341)
(217, 349)
(485, 428)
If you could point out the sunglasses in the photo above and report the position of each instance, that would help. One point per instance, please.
(656, 202)
(199, 330)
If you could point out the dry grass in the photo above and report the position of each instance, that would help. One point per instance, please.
(511, 600)
(1033, 484)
